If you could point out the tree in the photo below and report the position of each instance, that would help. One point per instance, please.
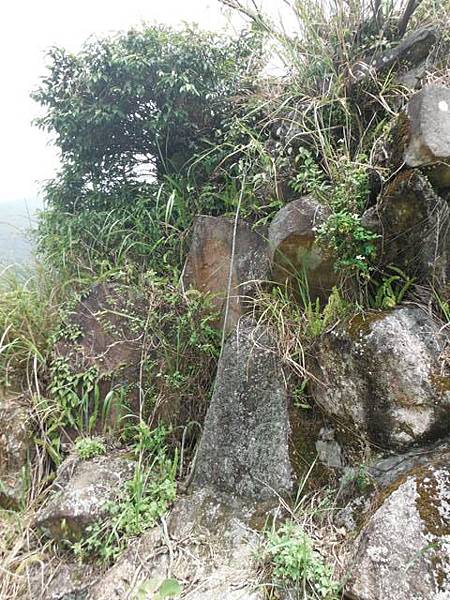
(132, 108)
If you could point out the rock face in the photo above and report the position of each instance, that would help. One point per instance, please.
(383, 375)
(294, 250)
(413, 223)
(80, 492)
(428, 135)
(226, 263)
(208, 548)
(15, 447)
(104, 332)
(410, 53)
(403, 551)
(244, 447)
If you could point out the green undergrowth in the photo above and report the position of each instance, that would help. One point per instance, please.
(142, 500)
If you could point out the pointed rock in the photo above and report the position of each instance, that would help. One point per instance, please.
(244, 447)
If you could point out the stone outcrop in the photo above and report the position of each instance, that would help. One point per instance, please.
(427, 133)
(80, 493)
(295, 252)
(15, 450)
(402, 551)
(413, 224)
(383, 375)
(208, 547)
(410, 54)
(244, 447)
(105, 332)
(226, 262)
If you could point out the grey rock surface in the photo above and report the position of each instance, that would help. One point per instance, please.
(294, 249)
(429, 132)
(207, 546)
(383, 375)
(244, 447)
(227, 262)
(403, 551)
(15, 449)
(80, 492)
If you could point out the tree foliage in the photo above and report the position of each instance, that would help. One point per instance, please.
(132, 108)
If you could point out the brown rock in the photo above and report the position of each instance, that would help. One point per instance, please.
(226, 265)
(294, 250)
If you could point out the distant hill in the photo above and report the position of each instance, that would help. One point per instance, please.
(17, 219)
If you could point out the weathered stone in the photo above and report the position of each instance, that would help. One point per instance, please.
(403, 551)
(80, 493)
(104, 332)
(413, 223)
(383, 375)
(60, 580)
(227, 262)
(410, 53)
(329, 451)
(244, 448)
(294, 250)
(428, 133)
(208, 547)
(15, 450)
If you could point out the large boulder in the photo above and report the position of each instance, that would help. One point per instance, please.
(244, 447)
(103, 335)
(403, 551)
(413, 224)
(295, 252)
(80, 494)
(383, 376)
(427, 133)
(226, 259)
(16, 437)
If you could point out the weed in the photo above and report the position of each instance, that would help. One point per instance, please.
(88, 447)
(295, 563)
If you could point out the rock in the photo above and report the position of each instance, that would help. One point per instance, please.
(409, 54)
(403, 551)
(329, 451)
(294, 250)
(427, 132)
(15, 450)
(244, 447)
(413, 223)
(208, 547)
(104, 332)
(214, 251)
(383, 376)
(80, 493)
(60, 580)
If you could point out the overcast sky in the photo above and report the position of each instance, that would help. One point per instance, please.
(28, 28)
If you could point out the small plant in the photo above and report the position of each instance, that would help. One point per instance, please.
(294, 562)
(142, 500)
(88, 447)
(154, 589)
(391, 290)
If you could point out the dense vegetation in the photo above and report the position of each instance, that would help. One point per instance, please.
(152, 130)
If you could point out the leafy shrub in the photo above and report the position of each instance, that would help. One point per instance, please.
(294, 562)
(88, 447)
